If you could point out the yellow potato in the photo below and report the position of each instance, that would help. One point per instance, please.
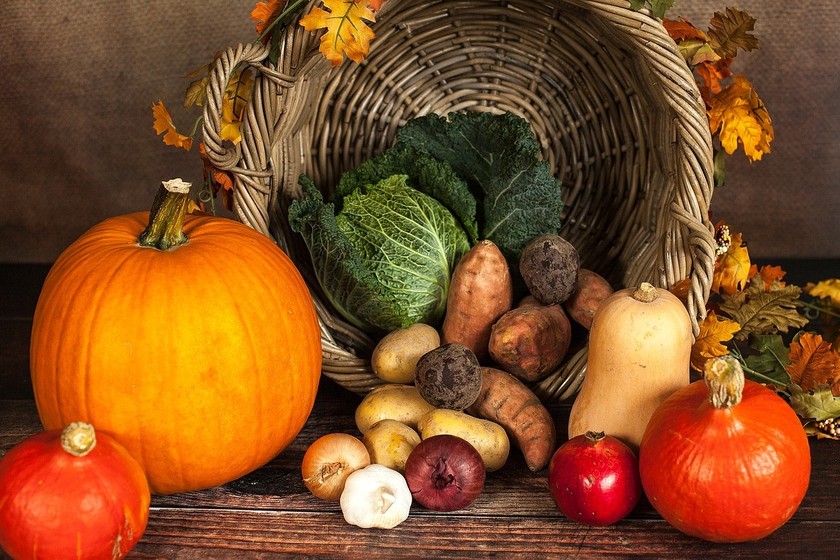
(489, 438)
(395, 356)
(389, 443)
(402, 403)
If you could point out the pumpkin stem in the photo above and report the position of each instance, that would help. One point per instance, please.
(645, 293)
(725, 381)
(78, 439)
(166, 218)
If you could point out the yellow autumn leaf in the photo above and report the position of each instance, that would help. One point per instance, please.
(714, 331)
(163, 125)
(829, 289)
(732, 268)
(233, 106)
(347, 33)
(738, 116)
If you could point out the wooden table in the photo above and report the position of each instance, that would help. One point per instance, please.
(270, 513)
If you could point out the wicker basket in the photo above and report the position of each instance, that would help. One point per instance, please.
(614, 107)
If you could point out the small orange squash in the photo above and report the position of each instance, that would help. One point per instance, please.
(193, 341)
(71, 493)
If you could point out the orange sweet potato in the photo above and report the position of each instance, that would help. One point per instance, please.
(481, 291)
(591, 290)
(531, 341)
(510, 403)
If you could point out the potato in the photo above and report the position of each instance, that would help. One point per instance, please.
(532, 341)
(449, 376)
(392, 402)
(591, 290)
(390, 442)
(396, 355)
(489, 438)
(549, 265)
(480, 292)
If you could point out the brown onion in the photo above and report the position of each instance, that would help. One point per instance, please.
(329, 461)
(445, 473)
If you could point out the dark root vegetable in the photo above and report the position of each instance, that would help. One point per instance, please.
(445, 473)
(449, 376)
(549, 265)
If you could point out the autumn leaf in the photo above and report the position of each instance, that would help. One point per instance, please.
(813, 363)
(657, 7)
(220, 181)
(730, 31)
(825, 289)
(711, 74)
(819, 404)
(265, 12)
(732, 268)
(234, 103)
(376, 5)
(761, 312)
(347, 33)
(708, 344)
(683, 30)
(738, 116)
(769, 274)
(769, 363)
(163, 125)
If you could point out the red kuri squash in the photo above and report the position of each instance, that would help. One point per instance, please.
(726, 460)
(71, 493)
(193, 341)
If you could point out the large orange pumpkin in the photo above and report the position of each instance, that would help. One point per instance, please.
(198, 349)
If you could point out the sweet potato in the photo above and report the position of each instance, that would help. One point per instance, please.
(480, 292)
(531, 341)
(508, 402)
(591, 290)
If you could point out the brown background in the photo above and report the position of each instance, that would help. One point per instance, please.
(78, 85)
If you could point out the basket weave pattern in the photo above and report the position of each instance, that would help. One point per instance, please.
(615, 108)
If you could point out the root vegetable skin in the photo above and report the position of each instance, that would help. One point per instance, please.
(531, 341)
(481, 291)
(504, 399)
(591, 290)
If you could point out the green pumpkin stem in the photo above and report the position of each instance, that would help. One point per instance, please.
(78, 439)
(166, 219)
(725, 380)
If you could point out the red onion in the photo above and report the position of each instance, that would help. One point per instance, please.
(445, 473)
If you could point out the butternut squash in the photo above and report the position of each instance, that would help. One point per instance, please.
(639, 353)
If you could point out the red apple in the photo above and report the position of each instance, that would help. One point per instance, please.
(594, 479)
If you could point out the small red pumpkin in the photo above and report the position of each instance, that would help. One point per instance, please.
(193, 340)
(71, 493)
(726, 460)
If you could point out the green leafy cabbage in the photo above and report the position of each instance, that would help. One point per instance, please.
(386, 258)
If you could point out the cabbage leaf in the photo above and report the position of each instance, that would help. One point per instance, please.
(517, 196)
(385, 259)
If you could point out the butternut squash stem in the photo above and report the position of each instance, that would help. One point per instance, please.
(725, 381)
(166, 218)
(78, 439)
(645, 293)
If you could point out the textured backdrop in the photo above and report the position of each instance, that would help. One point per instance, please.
(78, 86)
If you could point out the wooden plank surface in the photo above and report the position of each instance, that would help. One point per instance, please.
(270, 514)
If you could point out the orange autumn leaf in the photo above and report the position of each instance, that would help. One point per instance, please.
(219, 180)
(732, 268)
(711, 74)
(347, 33)
(163, 125)
(826, 289)
(714, 331)
(683, 30)
(265, 12)
(376, 5)
(738, 116)
(769, 274)
(813, 363)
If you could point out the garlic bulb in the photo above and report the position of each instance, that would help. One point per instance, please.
(375, 496)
